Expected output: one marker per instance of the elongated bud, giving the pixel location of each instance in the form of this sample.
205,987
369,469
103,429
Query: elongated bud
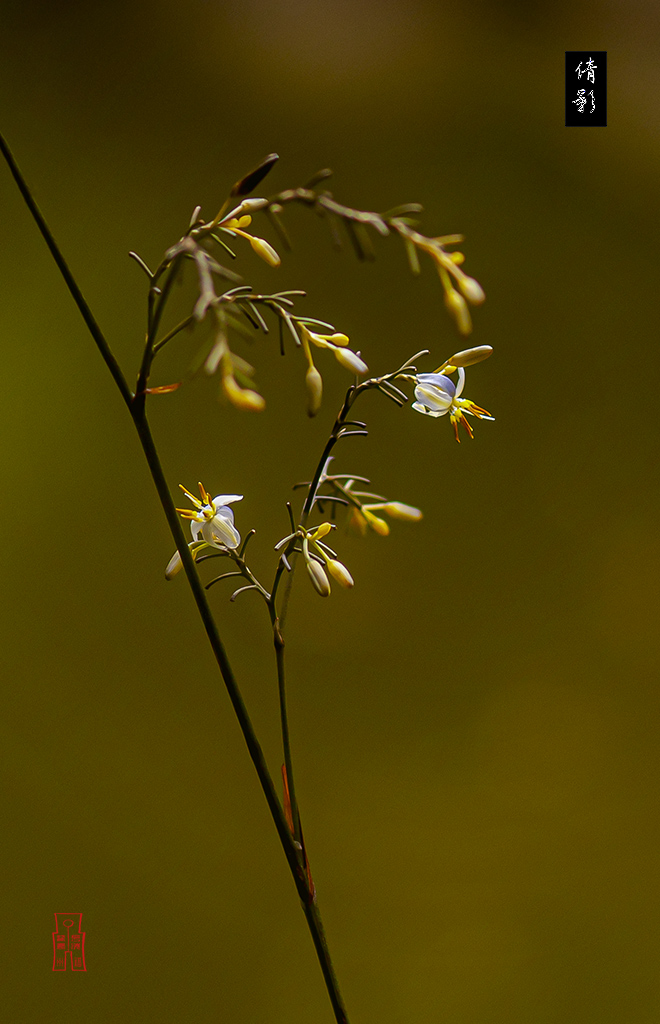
470,356
397,510
314,382
249,204
252,179
173,566
457,306
212,361
265,250
376,523
321,531
318,577
242,398
472,290
339,572
326,340
350,360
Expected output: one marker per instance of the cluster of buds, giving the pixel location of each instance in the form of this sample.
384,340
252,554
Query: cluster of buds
437,394
363,517
230,364
337,343
448,265
320,559
468,288
364,505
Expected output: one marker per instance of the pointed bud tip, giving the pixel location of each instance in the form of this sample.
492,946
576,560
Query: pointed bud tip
472,290
318,577
314,383
265,250
397,510
470,356
173,566
340,573
252,179
458,308
350,360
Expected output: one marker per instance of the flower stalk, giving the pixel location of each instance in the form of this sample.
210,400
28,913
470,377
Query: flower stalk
212,528
136,405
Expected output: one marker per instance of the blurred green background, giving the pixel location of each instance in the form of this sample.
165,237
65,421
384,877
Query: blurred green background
476,723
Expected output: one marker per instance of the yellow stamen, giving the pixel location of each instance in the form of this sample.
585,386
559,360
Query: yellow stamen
192,497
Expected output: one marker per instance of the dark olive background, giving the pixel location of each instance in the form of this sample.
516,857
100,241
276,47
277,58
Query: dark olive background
476,723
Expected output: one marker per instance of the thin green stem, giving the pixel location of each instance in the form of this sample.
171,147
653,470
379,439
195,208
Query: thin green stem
157,300
278,622
278,640
286,839
138,414
171,334
291,851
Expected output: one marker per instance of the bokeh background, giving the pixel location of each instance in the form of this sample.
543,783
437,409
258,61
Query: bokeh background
476,723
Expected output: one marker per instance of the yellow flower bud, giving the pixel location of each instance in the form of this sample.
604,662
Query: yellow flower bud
326,340
472,290
242,398
173,566
239,222
265,250
469,356
340,573
350,360
321,531
377,524
318,577
397,510
314,383
457,306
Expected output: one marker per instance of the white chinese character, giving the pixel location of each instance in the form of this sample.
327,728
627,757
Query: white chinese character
580,101
588,70
593,101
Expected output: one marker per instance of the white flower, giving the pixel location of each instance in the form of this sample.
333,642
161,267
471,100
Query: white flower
211,525
437,395
212,520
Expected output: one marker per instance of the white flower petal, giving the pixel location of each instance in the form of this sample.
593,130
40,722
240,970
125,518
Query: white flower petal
433,398
196,528
461,381
418,407
438,380
220,532
226,499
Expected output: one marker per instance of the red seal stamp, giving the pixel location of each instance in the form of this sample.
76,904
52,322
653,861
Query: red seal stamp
68,942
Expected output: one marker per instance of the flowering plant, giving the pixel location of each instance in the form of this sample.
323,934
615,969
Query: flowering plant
232,308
